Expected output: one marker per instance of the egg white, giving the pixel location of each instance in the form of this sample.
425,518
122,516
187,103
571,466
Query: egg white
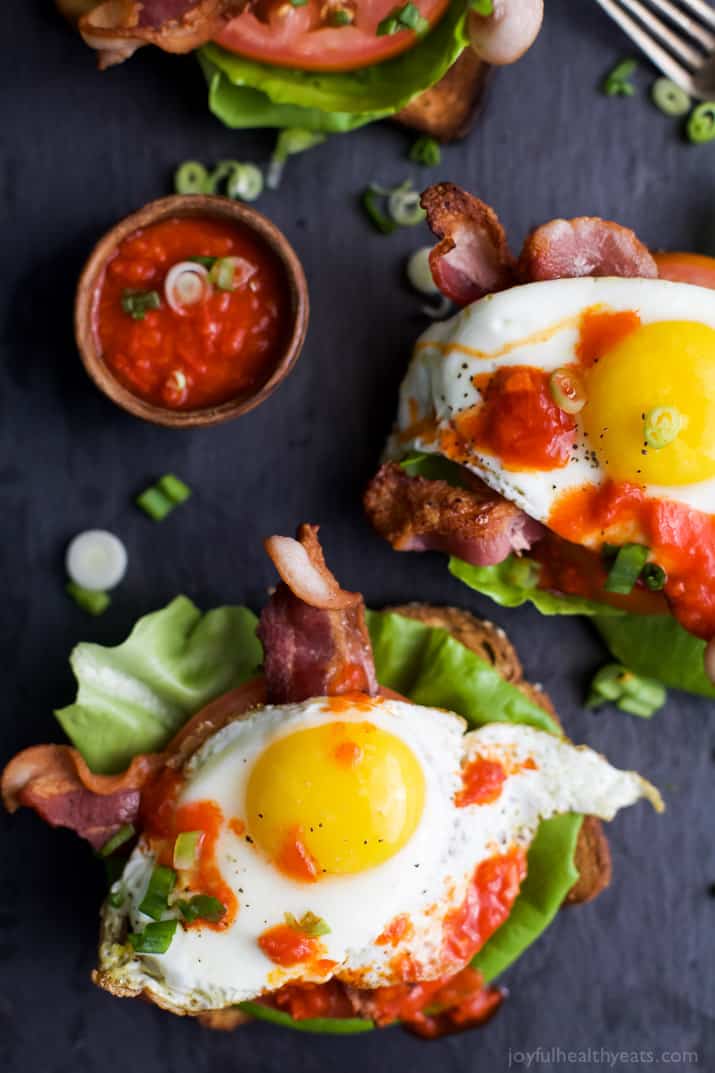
536,324
208,969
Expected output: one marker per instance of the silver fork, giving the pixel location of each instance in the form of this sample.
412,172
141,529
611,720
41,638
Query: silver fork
681,44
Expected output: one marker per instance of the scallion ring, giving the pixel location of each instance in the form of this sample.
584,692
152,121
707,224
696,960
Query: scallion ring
404,206
654,577
290,141
191,178
186,284
89,600
379,219
662,427
701,123
482,7
567,390
221,174
671,99
125,832
156,897
245,183
631,692
419,271
626,568
426,151
616,83
155,938
186,849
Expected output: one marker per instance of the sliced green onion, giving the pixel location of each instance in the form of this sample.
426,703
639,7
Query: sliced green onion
116,897
630,692
299,3
155,938
629,561
387,26
616,82
156,900
290,141
662,426
245,183
222,273
404,205
410,17
186,284
207,262
671,99
174,488
186,848
482,7
701,123
654,577
221,174
426,151
125,832
340,16
380,219
202,907
567,390
191,178
91,601
138,303
524,573
419,271
96,560
309,924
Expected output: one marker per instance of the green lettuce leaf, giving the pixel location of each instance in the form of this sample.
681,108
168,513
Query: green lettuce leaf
327,1026
498,583
329,101
133,698
657,646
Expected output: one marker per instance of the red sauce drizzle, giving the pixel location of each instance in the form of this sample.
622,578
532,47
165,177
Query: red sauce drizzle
682,541
397,930
519,422
287,946
488,902
482,782
295,859
221,348
600,330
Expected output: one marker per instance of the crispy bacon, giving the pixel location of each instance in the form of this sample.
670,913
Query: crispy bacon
475,523
314,634
55,781
473,258
117,28
586,246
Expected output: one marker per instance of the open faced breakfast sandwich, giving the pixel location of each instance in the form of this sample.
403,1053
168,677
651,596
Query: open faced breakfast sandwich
556,436
325,66
325,844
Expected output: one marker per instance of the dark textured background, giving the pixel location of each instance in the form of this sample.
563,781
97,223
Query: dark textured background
79,149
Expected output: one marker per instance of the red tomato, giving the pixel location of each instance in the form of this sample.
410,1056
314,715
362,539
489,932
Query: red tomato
274,31
687,268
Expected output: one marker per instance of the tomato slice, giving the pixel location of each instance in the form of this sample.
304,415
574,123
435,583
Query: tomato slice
274,31
687,268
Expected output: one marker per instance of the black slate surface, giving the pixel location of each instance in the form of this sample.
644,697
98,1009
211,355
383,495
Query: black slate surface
633,971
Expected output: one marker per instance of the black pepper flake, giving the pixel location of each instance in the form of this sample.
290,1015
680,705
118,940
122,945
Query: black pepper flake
711,890
249,839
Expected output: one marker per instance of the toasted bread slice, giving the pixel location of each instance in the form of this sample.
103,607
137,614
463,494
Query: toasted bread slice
592,857
448,109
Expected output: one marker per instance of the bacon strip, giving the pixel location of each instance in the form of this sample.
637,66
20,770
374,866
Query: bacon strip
585,246
55,781
117,28
475,523
473,258
314,635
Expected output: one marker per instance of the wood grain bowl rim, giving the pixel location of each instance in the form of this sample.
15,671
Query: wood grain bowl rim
153,212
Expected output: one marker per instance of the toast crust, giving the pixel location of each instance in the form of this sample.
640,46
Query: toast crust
448,110
592,857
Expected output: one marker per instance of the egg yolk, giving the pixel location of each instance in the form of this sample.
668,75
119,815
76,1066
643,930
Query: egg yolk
668,364
334,799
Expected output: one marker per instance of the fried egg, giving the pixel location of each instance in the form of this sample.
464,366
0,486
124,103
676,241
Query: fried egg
354,821
478,391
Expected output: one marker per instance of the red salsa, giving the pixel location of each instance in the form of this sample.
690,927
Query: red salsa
173,349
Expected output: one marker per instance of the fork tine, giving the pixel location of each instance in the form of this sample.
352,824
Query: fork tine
652,49
696,31
674,41
702,9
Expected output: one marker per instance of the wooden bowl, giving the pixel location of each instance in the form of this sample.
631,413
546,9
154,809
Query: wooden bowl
92,275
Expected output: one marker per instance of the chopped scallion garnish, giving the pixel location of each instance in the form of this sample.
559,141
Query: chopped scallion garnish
371,204
654,577
290,141
138,303
616,83
407,17
156,899
161,498
671,99
340,16
299,3
567,390
662,426
404,205
116,897
202,907
191,178
625,571
524,573
309,924
701,123
186,849
630,692
155,938
482,7
245,183
426,151
125,832
90,600
207,262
